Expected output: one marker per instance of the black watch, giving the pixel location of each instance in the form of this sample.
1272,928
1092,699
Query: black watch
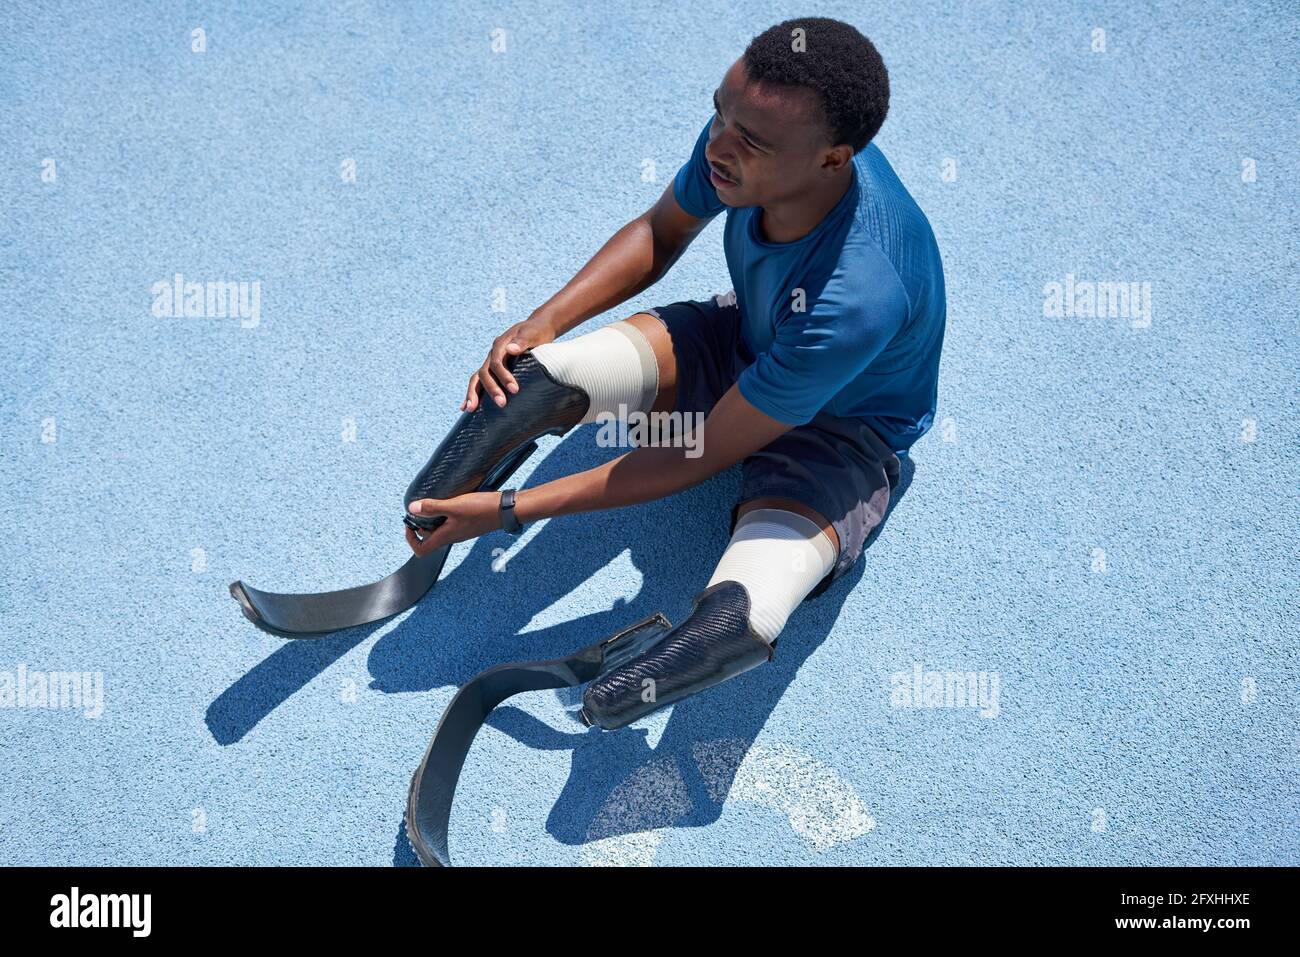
509,521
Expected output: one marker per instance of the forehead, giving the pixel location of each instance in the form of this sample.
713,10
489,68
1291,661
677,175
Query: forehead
779,113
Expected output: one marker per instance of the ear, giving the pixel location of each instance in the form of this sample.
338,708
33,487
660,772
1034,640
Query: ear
836,159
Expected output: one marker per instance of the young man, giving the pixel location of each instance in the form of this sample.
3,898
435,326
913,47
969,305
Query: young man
817,372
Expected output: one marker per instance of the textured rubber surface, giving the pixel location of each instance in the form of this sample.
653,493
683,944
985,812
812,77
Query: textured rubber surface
482,438
1086,519
711,645
433,787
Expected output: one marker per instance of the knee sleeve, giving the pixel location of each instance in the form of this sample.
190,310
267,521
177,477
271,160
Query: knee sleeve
779,557
711,645
615,366
492,437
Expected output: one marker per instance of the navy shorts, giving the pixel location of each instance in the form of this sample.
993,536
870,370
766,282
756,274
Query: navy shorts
839,467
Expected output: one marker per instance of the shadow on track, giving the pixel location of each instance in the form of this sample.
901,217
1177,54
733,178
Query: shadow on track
674,568
473,619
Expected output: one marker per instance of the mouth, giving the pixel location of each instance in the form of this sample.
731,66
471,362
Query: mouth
719,179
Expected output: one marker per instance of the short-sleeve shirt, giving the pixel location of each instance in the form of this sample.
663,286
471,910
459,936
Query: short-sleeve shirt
848,319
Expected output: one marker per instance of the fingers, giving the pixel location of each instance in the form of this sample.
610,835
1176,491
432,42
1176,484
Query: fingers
429,539
488,385
493,377
423,546
471,395
482,379
501,373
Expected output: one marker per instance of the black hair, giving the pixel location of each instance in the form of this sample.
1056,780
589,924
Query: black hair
836,62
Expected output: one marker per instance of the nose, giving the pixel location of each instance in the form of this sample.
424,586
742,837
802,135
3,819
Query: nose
719,149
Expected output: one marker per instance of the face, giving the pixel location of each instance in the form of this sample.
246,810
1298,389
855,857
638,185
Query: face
768,145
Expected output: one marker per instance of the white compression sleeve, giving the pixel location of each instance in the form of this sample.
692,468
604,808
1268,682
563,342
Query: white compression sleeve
779,557
615,366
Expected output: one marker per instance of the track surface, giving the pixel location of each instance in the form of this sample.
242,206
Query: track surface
1146,709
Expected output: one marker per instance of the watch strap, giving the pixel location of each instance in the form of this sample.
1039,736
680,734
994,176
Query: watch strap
509,521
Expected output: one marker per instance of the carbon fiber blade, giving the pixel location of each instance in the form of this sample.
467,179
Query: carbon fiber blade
428,805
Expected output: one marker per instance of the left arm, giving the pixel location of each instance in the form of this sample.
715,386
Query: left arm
733,430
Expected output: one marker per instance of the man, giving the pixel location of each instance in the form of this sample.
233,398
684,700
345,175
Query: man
817,372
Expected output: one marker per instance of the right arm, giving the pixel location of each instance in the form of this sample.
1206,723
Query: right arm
633,259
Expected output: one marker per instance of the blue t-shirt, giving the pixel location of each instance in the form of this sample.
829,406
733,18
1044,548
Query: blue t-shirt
850,318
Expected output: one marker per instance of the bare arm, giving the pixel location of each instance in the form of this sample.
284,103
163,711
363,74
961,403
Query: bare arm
733,430
633,259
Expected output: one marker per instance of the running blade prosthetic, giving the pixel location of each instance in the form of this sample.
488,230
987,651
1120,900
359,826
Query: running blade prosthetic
713,644
481,452
428,805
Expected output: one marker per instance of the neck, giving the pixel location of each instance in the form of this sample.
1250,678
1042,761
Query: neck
784,222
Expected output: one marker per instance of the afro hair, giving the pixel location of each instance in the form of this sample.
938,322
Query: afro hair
836,62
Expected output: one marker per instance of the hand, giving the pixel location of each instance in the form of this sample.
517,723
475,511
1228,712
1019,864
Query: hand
468,516
493,376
